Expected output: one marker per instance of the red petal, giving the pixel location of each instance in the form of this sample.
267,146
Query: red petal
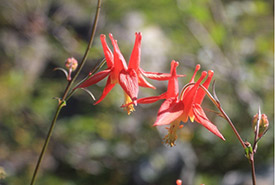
134,61
195,72
151,99
158,76
147,100
128,80
188,97
106,90
201,118
200,94
193,78
107,52
143,83
95,78
173,85
119,60
169,111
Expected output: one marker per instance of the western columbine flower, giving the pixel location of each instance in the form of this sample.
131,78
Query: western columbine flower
174,110
129,77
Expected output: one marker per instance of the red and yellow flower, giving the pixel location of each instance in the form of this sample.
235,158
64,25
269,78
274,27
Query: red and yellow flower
129,77
174,110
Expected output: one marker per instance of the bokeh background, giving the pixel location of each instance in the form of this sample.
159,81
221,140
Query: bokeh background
101,144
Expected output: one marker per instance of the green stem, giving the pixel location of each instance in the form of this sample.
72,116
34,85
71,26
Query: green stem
62,101
83,61
95,69
46,142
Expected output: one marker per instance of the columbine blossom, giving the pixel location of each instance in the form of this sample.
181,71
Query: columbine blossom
174,110
129,77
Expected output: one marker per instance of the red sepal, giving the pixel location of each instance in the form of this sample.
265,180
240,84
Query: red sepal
201,118
95,78
170,110
109,86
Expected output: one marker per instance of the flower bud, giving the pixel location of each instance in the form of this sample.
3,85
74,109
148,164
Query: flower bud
71,63
178,182
263,124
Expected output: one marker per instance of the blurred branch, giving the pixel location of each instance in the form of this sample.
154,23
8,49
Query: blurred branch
205,40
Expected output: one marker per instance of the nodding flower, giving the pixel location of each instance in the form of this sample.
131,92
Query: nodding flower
128,77
175,110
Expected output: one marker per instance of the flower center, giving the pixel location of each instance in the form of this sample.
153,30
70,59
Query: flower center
171,137
130,108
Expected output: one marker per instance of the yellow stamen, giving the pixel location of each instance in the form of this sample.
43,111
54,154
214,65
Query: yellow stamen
171,137
130,108
191,116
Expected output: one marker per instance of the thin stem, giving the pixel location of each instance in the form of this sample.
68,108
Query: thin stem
257,131
252,168
62,101
83,61
95,69
46,142
232,126
218,105
184,88
251,155
254,149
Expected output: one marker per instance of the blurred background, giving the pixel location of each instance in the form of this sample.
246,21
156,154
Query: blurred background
101,144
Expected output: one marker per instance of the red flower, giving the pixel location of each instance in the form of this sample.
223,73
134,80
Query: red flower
174,110
189,106
172,90
129,78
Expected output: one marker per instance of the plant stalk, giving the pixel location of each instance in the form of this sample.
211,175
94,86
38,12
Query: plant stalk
42,153
62,101
217,104
83,61
251,155
253,173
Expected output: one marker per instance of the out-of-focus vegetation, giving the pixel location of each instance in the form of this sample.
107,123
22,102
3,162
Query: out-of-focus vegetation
103,145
